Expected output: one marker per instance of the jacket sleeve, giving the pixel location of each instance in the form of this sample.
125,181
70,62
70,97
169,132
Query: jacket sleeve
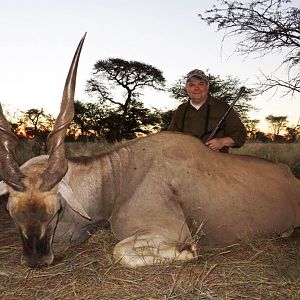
174,125
235,129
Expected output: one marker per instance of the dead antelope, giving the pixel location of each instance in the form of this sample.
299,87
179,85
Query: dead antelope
154,191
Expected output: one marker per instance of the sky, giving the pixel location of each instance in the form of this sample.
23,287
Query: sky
38,39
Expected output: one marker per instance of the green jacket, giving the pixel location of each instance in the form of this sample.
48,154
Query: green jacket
200,123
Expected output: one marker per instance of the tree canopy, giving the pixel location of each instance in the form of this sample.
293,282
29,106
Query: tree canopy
90,118
277,123
36,122
264,27
128,78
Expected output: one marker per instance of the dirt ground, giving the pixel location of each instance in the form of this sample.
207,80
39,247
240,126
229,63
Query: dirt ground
261,270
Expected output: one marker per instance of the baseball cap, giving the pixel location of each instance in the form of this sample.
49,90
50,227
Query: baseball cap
196,73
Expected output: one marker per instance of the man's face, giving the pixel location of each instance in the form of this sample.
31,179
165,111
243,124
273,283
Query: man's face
197,90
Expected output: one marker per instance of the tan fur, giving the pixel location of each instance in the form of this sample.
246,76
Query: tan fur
32,195
158,191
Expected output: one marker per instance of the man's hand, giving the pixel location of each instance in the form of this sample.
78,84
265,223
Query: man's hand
219,143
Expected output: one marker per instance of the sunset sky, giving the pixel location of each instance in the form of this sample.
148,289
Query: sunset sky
38,39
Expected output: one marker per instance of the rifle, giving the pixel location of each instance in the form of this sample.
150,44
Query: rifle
241,91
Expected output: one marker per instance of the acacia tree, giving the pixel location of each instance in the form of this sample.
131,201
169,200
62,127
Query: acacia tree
251,126
264,26
36,122
95,120
114,77
277,123
90,118
138,120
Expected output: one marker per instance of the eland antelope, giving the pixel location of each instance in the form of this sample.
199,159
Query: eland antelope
155,192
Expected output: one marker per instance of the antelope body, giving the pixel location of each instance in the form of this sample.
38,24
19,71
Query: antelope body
155,192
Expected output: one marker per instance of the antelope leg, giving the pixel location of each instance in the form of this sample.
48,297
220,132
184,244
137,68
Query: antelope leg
152,249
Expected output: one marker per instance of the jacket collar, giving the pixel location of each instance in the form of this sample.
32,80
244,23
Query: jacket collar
209,101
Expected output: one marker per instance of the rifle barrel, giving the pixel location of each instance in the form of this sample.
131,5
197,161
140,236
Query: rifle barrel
241,91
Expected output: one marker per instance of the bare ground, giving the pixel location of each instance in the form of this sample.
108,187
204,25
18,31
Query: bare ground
267,269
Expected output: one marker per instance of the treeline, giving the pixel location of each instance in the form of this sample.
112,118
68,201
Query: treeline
94,121
117,111
280,130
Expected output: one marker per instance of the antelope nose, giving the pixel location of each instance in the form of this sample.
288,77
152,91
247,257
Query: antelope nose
37,261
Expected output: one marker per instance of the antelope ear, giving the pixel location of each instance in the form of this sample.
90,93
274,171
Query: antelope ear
3,188
66,192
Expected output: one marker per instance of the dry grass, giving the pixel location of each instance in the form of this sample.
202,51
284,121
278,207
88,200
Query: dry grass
89,149
288,154
260,270
268,269
30,148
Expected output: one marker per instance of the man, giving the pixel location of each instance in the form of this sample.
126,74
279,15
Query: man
201,114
